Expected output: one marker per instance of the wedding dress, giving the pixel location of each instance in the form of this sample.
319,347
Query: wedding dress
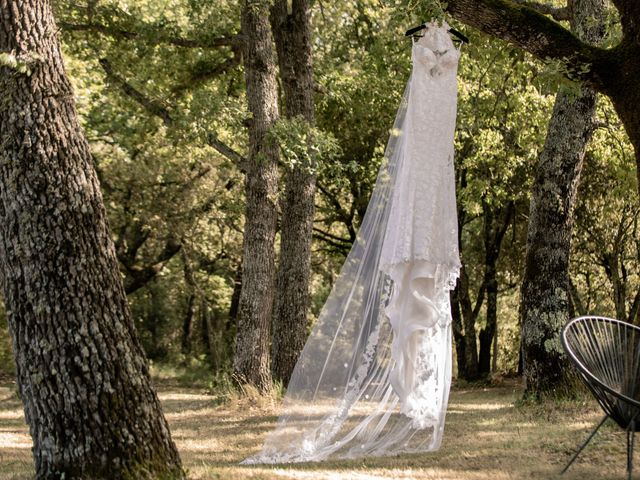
374,376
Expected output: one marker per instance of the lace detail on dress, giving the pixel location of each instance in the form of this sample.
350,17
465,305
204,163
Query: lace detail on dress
420,251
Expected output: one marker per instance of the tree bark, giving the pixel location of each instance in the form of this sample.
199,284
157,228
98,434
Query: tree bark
545,288
81,371
251,359
292,34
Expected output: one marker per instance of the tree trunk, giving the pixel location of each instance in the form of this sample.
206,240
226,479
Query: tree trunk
545,288
187,322
458,336
251,360
486,334
81,371
235,296
292,34
205,331
491,285
493,235
469,316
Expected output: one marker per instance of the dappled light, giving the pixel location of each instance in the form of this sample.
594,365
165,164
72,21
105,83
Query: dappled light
488,436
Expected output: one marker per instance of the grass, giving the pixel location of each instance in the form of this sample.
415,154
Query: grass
489,436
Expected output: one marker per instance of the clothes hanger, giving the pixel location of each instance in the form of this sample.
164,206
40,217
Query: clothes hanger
457,33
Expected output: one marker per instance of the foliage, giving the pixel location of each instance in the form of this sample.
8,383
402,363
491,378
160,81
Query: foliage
159,86
606,238
302,145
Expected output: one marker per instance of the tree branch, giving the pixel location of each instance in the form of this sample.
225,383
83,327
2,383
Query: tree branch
344,247
155,37
557,13
538,35
137,276
342,213
152,106
156,108
226,151
346,241
206,71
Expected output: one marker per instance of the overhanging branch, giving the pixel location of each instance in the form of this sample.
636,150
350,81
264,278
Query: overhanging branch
537,34
150,105
155,37
227,151
207,72
557,13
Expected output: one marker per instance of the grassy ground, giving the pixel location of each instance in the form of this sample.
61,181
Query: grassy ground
488,436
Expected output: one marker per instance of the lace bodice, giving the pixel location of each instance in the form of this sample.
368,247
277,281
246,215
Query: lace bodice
423,222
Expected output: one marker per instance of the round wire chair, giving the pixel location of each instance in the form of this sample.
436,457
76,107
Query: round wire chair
606,353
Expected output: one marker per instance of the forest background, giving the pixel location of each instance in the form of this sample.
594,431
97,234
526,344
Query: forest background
161,94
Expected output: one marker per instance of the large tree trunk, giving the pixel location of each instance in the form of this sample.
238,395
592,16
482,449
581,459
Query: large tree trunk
292,33
81,371
545,288
251,360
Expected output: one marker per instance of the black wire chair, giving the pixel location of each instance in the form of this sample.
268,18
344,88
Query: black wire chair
606,353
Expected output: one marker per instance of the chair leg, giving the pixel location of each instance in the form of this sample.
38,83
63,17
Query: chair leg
630,438
585,444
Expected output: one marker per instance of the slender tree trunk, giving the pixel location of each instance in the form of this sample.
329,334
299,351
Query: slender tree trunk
81,371
251,360
545,288
458,335
205,330
292,34
153,323
493,235
187,322
469,316
486,334
235,296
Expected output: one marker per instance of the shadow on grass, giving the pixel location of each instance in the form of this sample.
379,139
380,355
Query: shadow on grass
488,436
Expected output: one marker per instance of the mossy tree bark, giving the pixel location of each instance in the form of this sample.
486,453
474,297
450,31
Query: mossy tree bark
292,34
545,289
251,359
81,371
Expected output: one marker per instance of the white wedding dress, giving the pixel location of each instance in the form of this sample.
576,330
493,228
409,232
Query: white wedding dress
374,376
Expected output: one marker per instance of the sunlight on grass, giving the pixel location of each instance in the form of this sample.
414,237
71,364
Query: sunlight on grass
488,436
14,440
8,414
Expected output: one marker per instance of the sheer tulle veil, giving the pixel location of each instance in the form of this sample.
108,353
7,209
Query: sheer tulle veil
374,375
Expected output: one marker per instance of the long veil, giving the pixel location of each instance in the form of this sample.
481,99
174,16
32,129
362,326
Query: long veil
374,375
